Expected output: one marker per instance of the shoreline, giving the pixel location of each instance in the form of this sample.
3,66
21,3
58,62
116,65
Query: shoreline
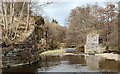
20,64
109,56
104,55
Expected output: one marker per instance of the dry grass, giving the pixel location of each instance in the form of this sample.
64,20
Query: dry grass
52,52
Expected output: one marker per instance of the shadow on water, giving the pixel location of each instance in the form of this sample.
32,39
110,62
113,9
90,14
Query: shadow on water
68,63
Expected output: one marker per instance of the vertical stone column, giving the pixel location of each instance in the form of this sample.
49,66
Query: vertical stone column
92,43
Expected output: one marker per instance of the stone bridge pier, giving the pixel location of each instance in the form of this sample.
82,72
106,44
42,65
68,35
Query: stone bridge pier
92,44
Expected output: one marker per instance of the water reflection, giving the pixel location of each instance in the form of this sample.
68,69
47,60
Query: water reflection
76,59
102,64
109,65
71,63
95,63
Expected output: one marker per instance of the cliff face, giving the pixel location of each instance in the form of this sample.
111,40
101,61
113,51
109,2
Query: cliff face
22,53
22,48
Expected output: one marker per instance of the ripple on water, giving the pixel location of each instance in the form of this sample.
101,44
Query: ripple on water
65,67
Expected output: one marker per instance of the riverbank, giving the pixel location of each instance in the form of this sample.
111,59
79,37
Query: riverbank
62,52
109,56
52,52
20,64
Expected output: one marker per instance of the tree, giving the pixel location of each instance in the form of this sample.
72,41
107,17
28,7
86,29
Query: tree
55,21
13,16
84,19
79,23
56,33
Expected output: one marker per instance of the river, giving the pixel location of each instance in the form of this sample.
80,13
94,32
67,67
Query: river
73,63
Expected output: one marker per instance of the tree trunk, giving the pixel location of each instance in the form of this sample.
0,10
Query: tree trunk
21,14
3,18
6,20
28,14
11,13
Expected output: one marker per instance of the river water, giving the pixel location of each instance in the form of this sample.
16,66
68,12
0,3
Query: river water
69,63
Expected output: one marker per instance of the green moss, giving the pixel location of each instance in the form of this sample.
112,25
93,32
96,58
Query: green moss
52,52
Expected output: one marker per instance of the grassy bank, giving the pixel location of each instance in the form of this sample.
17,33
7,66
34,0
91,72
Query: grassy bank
52,52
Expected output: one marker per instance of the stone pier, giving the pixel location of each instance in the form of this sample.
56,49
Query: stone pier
92,44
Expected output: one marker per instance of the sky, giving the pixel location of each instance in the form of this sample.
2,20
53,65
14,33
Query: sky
61,10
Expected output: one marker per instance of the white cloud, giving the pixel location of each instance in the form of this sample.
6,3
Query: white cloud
61,10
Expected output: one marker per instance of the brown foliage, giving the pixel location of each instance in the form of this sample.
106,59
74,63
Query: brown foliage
93,17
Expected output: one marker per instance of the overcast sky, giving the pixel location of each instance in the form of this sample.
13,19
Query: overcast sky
61,10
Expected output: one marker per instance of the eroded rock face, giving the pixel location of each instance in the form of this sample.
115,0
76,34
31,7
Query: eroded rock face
25,52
